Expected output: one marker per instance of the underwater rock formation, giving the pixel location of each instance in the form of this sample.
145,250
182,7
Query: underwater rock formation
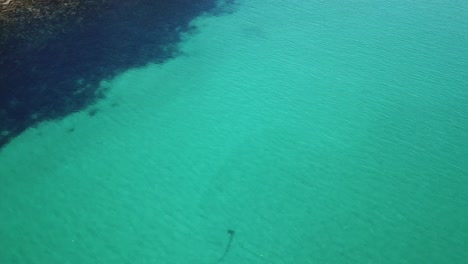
53,54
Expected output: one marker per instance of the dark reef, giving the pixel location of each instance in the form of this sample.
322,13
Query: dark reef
53,54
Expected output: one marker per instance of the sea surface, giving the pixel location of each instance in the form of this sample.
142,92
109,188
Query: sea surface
285,132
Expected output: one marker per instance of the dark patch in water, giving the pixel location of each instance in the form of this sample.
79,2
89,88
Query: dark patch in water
92,112
63,76
228,245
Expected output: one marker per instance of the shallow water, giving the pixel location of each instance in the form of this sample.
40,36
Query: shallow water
320,132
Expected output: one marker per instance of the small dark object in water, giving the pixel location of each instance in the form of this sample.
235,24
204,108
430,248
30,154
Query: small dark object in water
228,246
71,129
93,112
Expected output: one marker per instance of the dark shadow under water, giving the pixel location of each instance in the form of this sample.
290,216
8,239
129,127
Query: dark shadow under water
63,76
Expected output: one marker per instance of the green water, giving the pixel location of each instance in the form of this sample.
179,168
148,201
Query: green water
319,131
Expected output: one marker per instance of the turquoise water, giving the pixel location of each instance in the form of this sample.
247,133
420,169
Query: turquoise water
319,131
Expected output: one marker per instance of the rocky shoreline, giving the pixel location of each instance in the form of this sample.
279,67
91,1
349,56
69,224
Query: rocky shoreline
33,22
